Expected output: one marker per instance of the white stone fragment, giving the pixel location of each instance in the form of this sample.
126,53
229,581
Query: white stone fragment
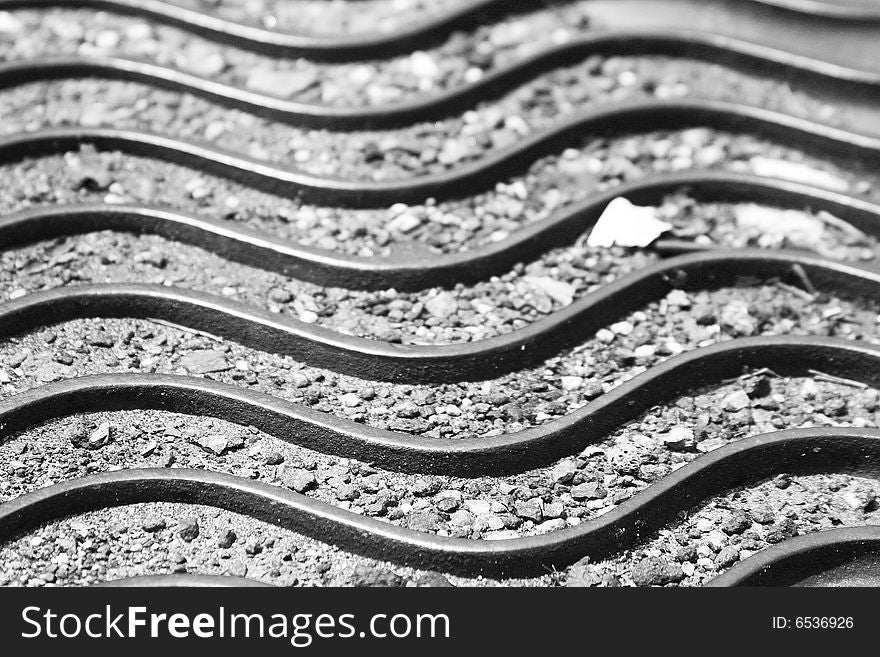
625,224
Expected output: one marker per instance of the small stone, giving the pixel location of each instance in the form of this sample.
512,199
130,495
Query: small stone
423,487
204,361
735,316
529,509
188,528
442,305
101,339
588,491
656,571
300,380
604,335
405,222
728,556
761,513
550,526
715,540
350,400
151,525
622,328
461,518
214,443
226,539
274,458
347,492
280,295
809,389
366,575
433,580
453,151
9,24
678,298
781,531
678,438
478,507
300,480
407,410
571,382
51,372
860,499
559,291
100,436
563,472
735,401
423,65
424,521
736,523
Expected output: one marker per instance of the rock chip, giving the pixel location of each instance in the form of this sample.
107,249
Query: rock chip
188,528
300,480
735,401
204,361
656,571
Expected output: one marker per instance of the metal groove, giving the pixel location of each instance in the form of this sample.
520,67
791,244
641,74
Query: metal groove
846,82
466,457
406,39
834,557
479,360
260,249
611,119
798,451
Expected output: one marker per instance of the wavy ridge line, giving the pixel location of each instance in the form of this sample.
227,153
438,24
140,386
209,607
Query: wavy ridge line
259,249
410,363
468,178
402,41
718,49
834,557
466,457
798,451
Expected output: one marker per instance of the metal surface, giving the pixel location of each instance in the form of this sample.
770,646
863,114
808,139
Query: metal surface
840,83
466,457
469,178
477,360
236,241
747,461
829,48
808,18
835,557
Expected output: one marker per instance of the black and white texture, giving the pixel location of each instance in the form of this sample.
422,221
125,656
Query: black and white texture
318,308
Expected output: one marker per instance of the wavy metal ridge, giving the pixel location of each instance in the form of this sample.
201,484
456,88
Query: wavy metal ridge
466,457
750,460
385,361
260,249
405,39
834,557
467,178
844,82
